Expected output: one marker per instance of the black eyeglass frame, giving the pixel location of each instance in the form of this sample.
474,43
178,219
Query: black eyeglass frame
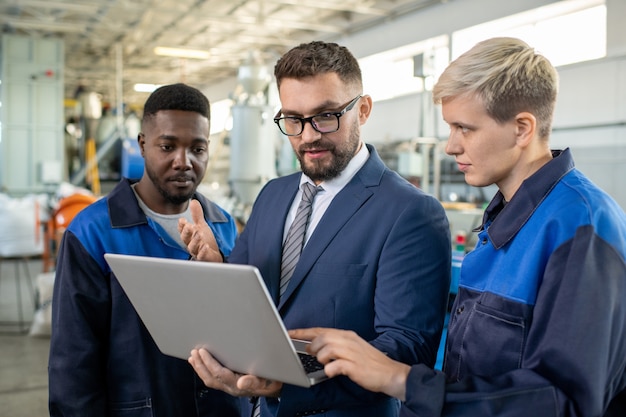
304,120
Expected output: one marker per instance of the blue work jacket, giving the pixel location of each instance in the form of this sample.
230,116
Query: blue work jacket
103,361
539,324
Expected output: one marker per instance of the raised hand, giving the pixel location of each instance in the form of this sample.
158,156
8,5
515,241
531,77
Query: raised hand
198,236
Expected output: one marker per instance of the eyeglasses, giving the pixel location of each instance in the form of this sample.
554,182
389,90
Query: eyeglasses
327,122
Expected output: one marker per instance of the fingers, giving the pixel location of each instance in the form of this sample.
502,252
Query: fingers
327,339
197,215
181,224
215,376
306,334
207,249
186,230
343,352
212,373
198,236
259,387
335,345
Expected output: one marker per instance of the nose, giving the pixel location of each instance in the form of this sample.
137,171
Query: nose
182,160
453,146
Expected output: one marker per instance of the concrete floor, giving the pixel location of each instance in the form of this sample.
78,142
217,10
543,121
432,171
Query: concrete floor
23,358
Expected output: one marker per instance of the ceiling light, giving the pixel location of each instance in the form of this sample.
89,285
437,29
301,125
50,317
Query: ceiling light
145,88
182,52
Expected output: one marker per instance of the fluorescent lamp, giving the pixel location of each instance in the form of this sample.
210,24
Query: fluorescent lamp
181,52
145,88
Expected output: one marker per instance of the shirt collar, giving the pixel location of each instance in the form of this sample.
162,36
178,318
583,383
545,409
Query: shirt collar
504,221
125,211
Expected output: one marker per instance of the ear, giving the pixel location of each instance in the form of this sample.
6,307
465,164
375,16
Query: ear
364,108
141,139
525,128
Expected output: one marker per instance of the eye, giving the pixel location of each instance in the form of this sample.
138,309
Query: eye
165,147
324,116
199,150
460,128
292,120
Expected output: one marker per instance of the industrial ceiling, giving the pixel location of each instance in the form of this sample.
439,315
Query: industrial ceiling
109,44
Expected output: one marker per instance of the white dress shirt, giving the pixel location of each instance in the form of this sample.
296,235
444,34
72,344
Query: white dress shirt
323,198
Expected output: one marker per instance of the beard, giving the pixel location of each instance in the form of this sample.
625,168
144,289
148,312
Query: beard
342,153
176,199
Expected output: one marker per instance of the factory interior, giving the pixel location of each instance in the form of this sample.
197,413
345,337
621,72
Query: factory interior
74,76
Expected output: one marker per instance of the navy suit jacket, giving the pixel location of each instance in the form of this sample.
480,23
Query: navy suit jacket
378,263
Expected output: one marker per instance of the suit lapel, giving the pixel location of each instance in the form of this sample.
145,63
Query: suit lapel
271,234
342,208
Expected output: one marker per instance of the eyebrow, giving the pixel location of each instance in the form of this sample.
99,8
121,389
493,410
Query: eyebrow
174,138
319,109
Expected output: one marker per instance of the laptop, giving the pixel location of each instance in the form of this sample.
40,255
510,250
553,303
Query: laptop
224,308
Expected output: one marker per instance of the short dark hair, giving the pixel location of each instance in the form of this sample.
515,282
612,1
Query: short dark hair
176,97
310,59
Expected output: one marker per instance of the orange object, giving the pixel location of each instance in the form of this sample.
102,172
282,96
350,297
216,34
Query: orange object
93,176
68,208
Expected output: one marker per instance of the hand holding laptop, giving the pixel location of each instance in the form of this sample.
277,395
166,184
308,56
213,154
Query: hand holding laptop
198,236
214,375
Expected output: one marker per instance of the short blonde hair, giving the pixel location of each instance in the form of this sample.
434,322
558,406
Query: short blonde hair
508,76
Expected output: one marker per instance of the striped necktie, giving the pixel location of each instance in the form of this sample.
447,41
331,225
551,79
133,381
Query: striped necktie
295,237
292,248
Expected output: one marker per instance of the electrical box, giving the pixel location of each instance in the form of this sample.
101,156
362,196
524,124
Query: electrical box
31,111
423,65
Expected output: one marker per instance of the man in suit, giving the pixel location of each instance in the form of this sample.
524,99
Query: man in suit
376,258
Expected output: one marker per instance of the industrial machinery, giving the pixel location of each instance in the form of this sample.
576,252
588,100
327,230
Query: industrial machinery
254,139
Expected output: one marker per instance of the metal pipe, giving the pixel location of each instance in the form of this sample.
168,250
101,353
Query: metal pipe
592,126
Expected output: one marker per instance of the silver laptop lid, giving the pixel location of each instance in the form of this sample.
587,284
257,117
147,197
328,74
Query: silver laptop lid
224,308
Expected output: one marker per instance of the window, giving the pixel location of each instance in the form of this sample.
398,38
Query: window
565,32
390,74
221,119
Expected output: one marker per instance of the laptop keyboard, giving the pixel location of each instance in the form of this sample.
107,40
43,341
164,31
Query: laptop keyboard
310,362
